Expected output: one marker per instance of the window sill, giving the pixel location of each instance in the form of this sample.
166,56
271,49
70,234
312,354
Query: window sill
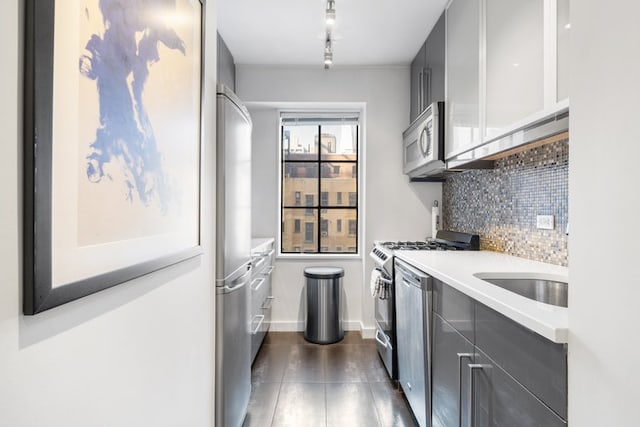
318,256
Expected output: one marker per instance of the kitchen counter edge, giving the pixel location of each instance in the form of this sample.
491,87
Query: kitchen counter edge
457,270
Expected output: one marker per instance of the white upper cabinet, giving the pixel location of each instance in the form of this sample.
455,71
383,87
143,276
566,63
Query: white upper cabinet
514,70
462,75
563,28
506,68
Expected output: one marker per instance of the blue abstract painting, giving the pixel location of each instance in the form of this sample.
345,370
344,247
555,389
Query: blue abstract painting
120,60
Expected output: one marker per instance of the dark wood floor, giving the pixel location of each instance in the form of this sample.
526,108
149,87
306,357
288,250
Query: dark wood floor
296,383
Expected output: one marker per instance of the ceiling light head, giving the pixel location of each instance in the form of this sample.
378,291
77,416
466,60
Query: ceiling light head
328,57
330,17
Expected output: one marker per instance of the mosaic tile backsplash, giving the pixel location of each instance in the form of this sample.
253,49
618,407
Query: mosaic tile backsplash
501,204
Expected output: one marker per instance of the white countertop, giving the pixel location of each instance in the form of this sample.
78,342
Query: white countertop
259,244
457,270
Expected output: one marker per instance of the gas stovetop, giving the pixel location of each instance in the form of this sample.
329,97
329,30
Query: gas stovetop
382,251
428,245
444,241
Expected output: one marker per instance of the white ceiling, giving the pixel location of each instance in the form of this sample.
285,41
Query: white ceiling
291,32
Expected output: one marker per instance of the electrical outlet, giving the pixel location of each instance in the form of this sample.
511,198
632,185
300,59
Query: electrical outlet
545,222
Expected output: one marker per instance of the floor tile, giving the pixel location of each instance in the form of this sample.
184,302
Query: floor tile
345,364
270,363
284,338
350,405
391,405
352,337
301,404
372,365
296,383
305,364
262,404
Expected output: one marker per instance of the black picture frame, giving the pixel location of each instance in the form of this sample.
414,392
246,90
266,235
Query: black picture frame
39,292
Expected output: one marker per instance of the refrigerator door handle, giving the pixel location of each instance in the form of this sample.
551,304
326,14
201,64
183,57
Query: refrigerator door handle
237,283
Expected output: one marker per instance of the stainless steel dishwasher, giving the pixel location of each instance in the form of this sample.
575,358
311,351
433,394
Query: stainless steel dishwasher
413,320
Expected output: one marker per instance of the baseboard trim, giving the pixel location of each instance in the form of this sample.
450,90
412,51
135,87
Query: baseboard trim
298,326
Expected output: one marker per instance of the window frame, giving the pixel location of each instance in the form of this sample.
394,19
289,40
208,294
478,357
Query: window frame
320,209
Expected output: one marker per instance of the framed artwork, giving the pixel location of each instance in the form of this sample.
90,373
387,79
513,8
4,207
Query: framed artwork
112,156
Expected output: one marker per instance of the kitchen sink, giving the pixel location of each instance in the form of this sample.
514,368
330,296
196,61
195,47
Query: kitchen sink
552,291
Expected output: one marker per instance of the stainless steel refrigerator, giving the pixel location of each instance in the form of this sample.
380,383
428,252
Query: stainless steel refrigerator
233,259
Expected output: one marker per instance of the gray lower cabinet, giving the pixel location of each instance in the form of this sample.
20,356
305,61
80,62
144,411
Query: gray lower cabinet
499,400
489,371
261,298
535,362
451,354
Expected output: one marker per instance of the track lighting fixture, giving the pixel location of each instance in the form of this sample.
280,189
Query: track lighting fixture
330,13
328,52
330,19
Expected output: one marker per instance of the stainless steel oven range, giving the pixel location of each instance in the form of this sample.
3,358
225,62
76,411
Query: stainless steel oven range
383,287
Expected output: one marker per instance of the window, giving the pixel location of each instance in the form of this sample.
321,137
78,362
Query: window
324,200
319,165
324,227
308,232
308,201
353,227
353,199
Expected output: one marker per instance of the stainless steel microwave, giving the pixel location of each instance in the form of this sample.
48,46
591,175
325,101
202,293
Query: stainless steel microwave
423,144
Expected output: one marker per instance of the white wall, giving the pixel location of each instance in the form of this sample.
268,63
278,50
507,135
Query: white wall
604,207
139,354
393,207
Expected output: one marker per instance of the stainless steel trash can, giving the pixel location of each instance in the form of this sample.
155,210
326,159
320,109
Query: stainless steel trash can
323,324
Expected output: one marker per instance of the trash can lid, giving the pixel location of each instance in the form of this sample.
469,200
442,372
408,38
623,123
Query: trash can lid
323,272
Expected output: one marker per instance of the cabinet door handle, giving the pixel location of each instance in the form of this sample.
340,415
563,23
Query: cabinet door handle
257,328
421,93
266,305
472,400
460,357
257,284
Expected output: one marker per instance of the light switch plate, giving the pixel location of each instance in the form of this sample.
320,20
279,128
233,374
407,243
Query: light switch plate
545,222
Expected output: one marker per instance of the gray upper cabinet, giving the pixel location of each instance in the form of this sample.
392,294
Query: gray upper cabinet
226,65
428,71
418,88
435,48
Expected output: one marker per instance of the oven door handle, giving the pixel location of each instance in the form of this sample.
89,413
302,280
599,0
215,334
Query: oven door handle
385,343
